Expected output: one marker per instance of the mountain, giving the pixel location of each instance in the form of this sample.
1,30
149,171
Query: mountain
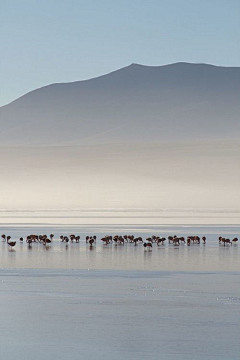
136,104
165,137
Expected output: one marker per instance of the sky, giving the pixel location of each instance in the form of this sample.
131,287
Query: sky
49,41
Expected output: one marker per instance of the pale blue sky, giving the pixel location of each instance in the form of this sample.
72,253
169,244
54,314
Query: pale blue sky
49,41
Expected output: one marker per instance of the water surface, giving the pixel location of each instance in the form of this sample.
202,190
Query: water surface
167,257
115,315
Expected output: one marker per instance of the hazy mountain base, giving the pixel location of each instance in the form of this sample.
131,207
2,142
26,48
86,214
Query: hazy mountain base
185,175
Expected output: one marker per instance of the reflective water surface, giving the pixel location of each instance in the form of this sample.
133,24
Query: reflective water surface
167,257
115,315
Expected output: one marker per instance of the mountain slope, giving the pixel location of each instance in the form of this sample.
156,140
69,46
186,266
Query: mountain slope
132,105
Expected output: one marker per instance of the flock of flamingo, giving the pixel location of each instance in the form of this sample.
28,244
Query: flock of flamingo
117,239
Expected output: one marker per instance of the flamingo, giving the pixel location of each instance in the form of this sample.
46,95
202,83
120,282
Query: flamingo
135,240
72,237
149,244
91,241
160,240
120,240
225,241
11,243
106,239
29,242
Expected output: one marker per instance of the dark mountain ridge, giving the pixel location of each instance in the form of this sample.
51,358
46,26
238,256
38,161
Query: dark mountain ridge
134,104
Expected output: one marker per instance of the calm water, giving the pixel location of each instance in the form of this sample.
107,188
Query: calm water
120,302
115,315
209,257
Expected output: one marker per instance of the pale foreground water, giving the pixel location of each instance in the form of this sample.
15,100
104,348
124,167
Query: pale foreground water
120,302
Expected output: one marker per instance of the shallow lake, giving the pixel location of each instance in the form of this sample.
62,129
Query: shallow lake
167,257
70,301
